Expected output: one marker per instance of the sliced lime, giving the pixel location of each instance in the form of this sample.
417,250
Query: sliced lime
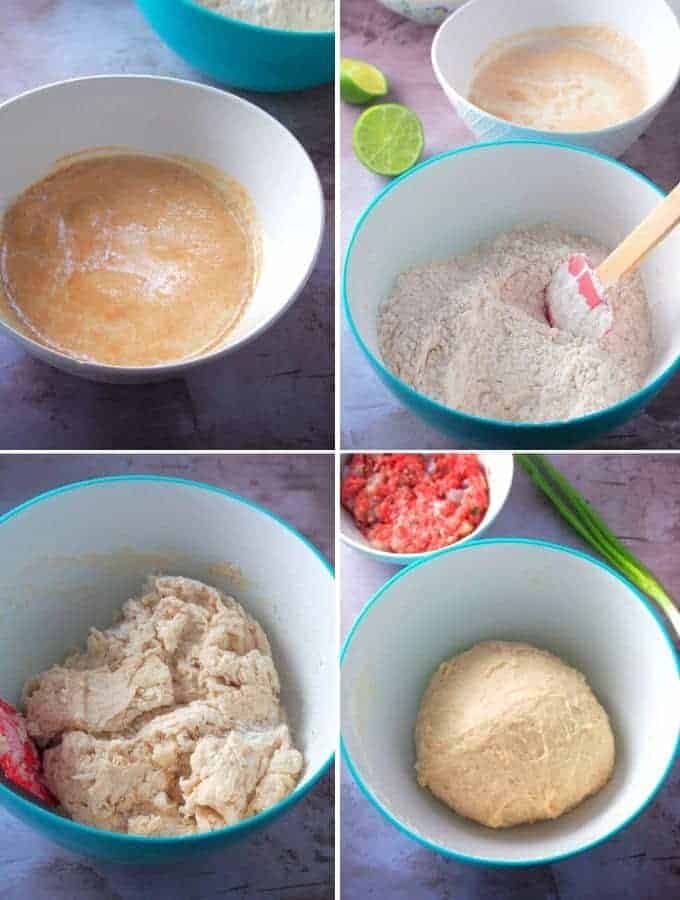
388,139
360,82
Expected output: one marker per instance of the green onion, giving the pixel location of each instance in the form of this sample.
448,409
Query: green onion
589,524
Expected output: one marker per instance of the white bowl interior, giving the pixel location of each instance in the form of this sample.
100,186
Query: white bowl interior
70,561
460,200
469,33
511,591
498,466
166,116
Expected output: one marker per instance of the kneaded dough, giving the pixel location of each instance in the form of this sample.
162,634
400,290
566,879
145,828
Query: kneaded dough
509,734
170,722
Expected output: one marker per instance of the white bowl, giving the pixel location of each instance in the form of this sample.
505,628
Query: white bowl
70,558
499,469
450,203
165,115
470,31
555,598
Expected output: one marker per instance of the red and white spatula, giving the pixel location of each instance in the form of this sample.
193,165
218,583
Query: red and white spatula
19,758
576,299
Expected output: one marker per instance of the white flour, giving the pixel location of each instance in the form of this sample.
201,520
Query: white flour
291,15
472,334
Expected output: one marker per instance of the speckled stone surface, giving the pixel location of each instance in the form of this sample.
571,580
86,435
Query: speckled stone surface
291,860
639,496
274,394
370,416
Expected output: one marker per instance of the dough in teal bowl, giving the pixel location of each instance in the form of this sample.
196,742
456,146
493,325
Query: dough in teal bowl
241,54
69,557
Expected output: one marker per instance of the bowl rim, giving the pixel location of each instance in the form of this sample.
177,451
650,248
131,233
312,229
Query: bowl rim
91,368
49,819
252,26
651,108
405,559
396,384
480,860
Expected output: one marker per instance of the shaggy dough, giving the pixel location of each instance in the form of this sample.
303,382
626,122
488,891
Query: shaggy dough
508,734
170,721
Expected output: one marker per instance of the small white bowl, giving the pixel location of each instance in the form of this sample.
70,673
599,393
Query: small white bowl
71,557
168,116
546,595
469,32
499,468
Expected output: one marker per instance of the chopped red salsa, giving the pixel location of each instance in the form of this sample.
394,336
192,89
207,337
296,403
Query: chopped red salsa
413,502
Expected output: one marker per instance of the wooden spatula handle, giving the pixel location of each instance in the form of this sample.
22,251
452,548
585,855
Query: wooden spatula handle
646,237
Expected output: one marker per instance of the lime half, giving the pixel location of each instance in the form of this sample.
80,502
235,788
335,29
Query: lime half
388,138
360,82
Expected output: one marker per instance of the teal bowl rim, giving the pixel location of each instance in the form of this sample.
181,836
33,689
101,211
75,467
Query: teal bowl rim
251,26
396,384
505,863
77,829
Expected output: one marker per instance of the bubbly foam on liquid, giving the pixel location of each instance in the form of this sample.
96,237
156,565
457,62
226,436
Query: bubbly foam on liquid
130,260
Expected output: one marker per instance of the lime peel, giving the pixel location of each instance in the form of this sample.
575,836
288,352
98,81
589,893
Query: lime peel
388,139
361,82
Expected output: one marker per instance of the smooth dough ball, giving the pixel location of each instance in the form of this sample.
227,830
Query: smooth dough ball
508,734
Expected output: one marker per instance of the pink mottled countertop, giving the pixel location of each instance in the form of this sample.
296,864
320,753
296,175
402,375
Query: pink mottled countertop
277,393
639,497
371,417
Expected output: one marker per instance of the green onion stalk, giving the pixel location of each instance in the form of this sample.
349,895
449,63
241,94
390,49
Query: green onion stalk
575,509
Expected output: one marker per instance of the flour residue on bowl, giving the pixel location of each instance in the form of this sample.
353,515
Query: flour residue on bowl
288,15
581,78
128,259
471,332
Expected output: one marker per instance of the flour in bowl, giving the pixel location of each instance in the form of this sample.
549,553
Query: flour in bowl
471,332
290,15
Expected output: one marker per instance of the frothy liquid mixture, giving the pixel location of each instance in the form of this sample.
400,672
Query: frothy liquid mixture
563,79
130,260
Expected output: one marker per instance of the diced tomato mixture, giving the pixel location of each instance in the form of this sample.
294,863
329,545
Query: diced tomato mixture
412,502
19,758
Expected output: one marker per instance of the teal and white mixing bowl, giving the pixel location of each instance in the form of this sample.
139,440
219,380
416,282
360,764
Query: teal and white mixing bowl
449,204
518,590
69,560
